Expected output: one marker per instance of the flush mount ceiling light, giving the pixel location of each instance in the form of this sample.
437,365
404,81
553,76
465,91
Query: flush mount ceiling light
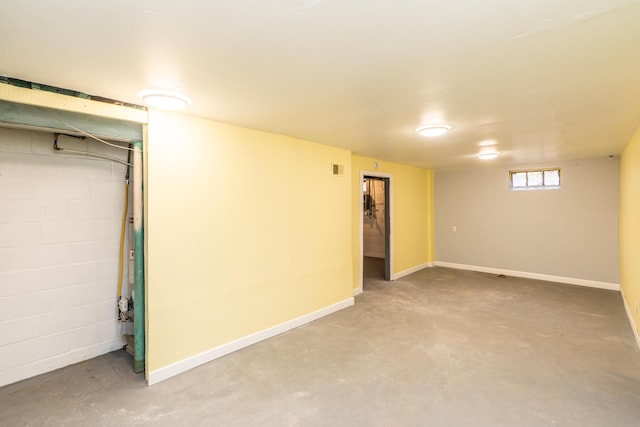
487,143
488,155
164,99
431,131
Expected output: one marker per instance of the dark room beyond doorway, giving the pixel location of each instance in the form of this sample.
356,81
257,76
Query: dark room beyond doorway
375,221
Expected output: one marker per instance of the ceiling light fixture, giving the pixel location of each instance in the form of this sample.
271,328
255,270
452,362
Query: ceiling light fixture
431,131
164,99
487,143
488,155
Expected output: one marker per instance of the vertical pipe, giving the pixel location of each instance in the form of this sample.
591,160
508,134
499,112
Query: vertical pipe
138,263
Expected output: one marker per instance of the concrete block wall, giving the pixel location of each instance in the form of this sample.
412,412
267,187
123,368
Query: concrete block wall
60,218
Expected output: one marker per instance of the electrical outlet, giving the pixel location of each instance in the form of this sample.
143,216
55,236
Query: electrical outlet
454,228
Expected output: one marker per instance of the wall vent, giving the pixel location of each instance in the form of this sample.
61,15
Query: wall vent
337,169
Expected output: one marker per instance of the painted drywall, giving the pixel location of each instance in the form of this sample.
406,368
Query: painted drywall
571,232
245,230
412,214
60,219
630,228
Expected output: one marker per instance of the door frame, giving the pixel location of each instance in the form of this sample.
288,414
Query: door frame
388,227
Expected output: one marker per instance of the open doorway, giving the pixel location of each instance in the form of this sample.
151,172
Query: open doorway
376,227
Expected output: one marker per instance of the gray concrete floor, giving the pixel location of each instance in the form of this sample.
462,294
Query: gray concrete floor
440,347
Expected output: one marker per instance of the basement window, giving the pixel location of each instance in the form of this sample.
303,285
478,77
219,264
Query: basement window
535,179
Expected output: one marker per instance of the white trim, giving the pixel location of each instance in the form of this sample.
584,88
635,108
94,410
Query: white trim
630,317
357,291
537,276
411,270
224,349
364,173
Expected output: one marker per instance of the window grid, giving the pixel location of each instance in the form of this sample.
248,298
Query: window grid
535,179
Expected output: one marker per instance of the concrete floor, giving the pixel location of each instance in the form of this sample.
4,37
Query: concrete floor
438,348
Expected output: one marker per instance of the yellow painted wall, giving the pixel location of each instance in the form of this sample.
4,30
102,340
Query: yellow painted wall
630,226
412,213
246,230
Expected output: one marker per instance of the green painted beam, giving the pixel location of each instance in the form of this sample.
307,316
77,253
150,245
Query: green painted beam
29,116
61,91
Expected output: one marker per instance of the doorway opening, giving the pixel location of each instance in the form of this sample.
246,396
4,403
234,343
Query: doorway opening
376,226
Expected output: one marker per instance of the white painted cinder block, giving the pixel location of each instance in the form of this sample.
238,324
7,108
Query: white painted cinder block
40,366
4,260
87,168
59,246
32,166
90,209
108,331
28,351
107,270
107,229
21,282
61,189
16,188
83,337
33,210
22,258
80,252
20,234
68,319
14,331
95,292
108,190
36,304
15,141
69,231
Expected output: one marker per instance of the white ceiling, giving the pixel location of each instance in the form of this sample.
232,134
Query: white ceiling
546,80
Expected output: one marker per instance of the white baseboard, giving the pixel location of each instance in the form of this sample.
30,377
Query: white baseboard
411,270
357,291
38,367
224,349
537,276
630,317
